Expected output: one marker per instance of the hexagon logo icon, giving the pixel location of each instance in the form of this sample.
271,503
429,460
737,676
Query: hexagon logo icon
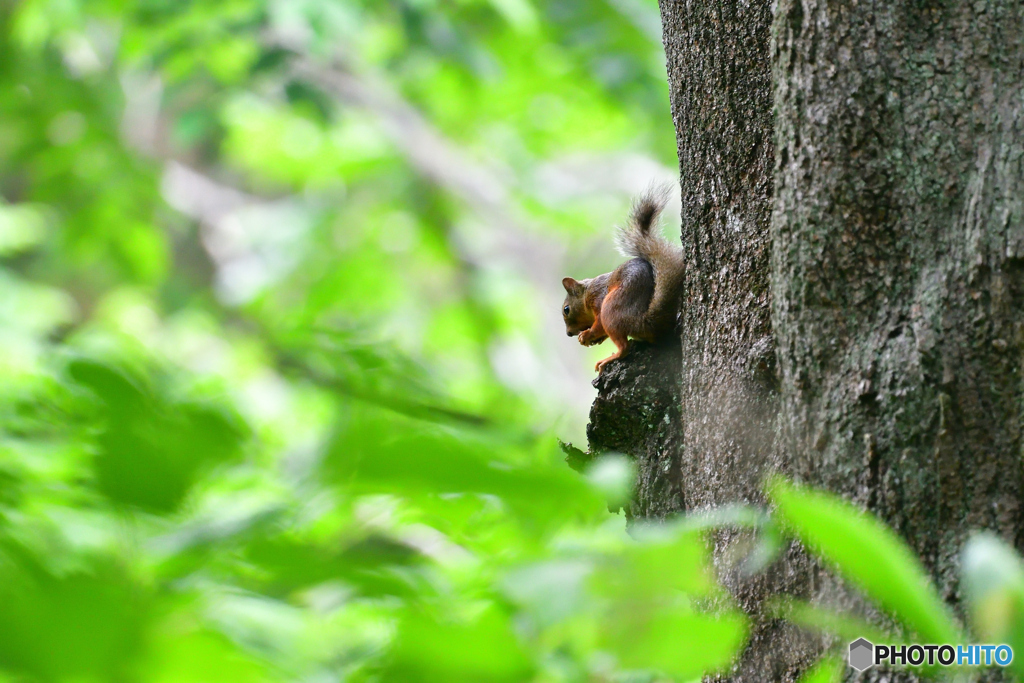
862,654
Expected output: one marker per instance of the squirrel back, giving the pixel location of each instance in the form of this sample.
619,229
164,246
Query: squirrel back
640,239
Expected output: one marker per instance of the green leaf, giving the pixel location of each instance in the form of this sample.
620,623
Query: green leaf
371,565
21,227
993,581
614,476
200,656
827,670
845,626
151,450
377,450
647,588
664,558
483,648
676,641
550,591
867,553
86,623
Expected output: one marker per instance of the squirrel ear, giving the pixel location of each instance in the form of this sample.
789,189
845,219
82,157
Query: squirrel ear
571,285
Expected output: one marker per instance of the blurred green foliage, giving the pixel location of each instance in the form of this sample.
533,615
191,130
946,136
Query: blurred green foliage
263,413
276,378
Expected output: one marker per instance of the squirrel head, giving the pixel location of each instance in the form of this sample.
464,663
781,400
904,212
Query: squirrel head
575,312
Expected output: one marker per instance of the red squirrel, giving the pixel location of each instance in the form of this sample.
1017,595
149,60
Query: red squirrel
640,298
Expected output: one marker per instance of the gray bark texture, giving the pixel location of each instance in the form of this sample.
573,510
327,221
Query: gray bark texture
852,179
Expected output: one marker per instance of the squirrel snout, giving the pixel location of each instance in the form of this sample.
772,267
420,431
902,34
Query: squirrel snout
569,334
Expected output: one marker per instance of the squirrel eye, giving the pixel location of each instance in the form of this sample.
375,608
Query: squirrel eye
565,311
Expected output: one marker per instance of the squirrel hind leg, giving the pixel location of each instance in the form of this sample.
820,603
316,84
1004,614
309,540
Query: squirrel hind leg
621,347
616,326
623,312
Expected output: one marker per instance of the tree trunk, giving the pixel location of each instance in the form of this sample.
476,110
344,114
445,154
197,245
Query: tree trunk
721,106
853,309
898,261
715,444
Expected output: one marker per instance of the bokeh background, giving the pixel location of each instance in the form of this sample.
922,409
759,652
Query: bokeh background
421,174
282,364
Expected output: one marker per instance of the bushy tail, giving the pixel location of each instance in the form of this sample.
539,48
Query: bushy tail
640,238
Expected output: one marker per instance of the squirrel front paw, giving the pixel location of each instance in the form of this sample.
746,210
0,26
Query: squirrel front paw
588,339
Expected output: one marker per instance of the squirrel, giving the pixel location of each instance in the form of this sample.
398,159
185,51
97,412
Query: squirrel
639,299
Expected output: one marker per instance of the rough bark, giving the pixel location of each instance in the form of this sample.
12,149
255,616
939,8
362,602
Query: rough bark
898,261
714,445
853,309
637,412
720,82
718,70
